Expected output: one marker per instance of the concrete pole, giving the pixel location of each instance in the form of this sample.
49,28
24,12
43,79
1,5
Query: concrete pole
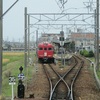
64,56
25,62
97,67
28,37
36,38
1,39
36,43
95,46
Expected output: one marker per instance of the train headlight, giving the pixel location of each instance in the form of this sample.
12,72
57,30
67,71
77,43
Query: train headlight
45,53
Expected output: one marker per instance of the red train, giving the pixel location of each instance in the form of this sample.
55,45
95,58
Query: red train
45,52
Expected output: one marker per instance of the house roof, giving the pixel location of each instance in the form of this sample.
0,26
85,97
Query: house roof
83,35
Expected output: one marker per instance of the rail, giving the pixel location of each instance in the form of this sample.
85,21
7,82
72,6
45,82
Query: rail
69,85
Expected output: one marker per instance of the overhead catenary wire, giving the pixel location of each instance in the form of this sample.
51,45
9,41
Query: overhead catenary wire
60,16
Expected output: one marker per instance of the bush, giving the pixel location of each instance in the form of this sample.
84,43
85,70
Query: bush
91,54
81,52
86,53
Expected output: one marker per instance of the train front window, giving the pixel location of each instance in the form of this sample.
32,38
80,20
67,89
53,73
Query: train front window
45,48
49,48
40,48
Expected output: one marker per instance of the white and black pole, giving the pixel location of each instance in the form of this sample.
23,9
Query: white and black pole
12,92
12,83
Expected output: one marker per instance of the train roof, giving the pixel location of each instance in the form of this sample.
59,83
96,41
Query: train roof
45,44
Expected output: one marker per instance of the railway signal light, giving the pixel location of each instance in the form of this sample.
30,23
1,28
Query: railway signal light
21,69
61,39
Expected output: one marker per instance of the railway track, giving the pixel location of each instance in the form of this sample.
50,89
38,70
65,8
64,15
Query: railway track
72,82
61,86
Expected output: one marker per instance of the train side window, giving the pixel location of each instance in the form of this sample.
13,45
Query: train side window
40,48
45,48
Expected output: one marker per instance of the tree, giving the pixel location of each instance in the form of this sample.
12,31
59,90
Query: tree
91,54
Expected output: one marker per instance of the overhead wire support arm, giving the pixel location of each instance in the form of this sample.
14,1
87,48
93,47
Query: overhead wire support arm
44,20
60,14
8,9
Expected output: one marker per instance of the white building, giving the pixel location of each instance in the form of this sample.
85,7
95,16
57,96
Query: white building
83,41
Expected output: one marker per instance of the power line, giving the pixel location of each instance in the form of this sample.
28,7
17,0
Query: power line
62,2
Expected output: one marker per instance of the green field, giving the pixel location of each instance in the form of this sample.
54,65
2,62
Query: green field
11,63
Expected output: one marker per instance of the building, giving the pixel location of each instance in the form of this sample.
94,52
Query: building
83,40
48,37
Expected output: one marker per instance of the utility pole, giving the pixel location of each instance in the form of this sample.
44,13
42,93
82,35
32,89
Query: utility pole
28,37
36,38
36,41
1,37
97,30
25,58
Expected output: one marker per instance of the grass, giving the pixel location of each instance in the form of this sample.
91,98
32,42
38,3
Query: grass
98,72
11,63
9,57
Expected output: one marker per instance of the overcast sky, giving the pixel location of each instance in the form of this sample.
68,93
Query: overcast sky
13,21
